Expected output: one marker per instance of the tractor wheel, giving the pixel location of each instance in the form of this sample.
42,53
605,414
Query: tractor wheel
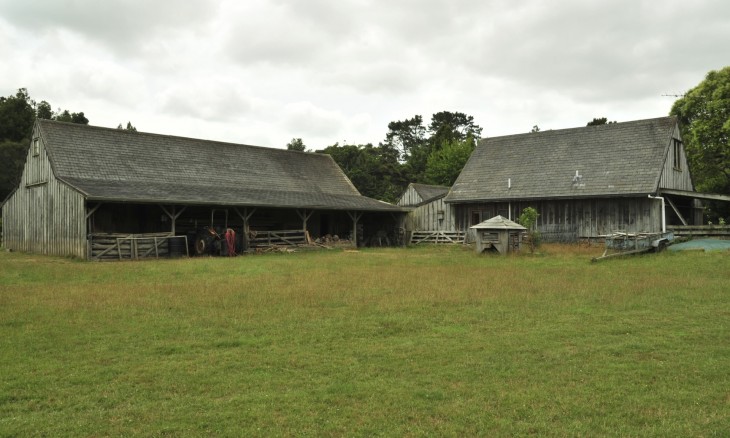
201,246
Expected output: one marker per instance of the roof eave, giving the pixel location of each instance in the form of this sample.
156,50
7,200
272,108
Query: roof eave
384,208
544,198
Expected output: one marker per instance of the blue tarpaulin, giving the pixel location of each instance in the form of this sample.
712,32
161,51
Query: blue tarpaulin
702,244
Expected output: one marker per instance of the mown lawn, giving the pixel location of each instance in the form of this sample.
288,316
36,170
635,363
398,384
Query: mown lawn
392,342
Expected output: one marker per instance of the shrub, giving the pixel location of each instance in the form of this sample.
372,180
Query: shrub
528,219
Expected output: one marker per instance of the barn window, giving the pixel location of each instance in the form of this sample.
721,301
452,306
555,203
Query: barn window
677,154
36,147
476,217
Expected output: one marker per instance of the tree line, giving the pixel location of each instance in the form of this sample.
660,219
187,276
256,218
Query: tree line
412,151
18,113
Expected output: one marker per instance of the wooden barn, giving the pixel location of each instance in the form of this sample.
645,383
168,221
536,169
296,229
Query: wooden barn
584,182
430,219
91,192
429,210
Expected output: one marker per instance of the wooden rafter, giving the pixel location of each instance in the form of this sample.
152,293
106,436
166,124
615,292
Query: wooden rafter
676,210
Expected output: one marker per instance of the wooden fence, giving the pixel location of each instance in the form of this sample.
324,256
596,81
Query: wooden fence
109,246
695,231
267,239
438,237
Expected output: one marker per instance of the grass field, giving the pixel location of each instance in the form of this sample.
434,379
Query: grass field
391,342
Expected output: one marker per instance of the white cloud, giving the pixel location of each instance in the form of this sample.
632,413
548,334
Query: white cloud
120,25
265,71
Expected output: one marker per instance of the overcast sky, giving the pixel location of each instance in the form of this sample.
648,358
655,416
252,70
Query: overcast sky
263,72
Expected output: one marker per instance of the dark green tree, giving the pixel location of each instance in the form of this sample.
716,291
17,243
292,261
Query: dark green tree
12,160
599,121
69,117
375,171
44,110
129,127
444,165
16,123
704,120
405,136
16,116
296,144
448,126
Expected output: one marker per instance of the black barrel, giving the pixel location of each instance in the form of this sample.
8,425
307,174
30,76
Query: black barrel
176,247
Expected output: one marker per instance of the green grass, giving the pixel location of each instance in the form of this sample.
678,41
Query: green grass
392,342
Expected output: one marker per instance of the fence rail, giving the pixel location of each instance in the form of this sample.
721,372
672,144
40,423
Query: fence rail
436,236
722,231
136,246
265,239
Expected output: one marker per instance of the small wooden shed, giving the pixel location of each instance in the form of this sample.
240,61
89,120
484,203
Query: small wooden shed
498,234
429,211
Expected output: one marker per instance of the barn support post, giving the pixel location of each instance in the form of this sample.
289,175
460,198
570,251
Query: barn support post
245,216
355,216
664,215
173,214
698,211
90,228
89,214
304,216
212,216
400,220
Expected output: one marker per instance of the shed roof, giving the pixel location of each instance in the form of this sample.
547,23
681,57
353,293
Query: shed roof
498,223
429,192
118,165
620,159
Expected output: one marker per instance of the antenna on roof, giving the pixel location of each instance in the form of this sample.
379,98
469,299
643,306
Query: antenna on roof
577,178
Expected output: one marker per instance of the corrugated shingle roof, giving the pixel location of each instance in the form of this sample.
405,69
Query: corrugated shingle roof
611,160
119,165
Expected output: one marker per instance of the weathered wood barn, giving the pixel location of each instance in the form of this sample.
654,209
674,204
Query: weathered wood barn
83,181
429,212
584,182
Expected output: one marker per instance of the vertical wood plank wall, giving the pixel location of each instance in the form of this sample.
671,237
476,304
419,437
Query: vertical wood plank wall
673,178
570,220
409,197
44,215
425,217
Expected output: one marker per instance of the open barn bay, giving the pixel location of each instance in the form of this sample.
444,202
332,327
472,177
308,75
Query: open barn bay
397,342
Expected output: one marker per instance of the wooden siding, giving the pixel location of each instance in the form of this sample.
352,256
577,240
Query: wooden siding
44,215
409,197
673,177
570,220
425,217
